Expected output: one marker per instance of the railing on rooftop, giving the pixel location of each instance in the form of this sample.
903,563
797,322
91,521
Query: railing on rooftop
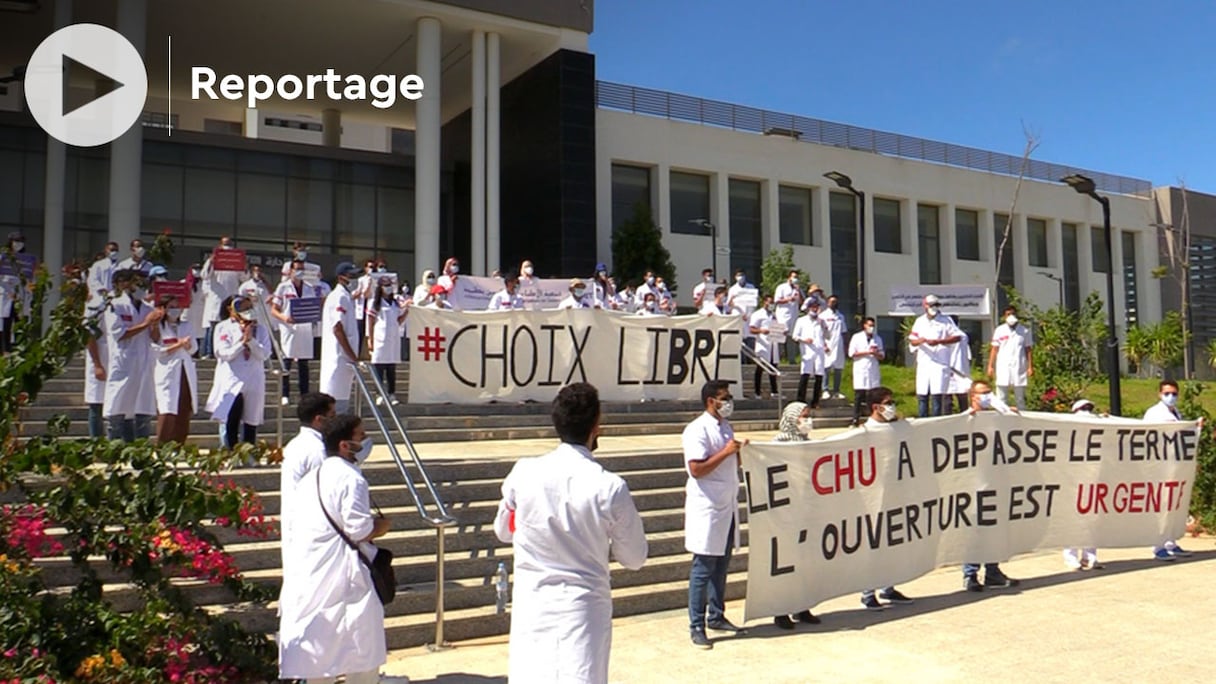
679,107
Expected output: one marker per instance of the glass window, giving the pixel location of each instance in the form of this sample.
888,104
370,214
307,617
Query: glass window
161,197
1101,257
630,185
746,227
1131,299
354,216
261,210
928,241
12,170
394,218
92,194
887,229
795,211
1072,269
689,201
1004,256
35,188
210,206
842,214
1036,242
967,234
310,211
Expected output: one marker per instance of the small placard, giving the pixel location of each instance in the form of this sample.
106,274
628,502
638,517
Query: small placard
178,289
24,265
228,260
305,309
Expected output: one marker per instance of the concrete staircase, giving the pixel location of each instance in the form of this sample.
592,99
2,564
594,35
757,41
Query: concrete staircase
470,487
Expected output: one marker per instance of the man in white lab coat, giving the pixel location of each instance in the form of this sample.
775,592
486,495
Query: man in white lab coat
711,510
564,515
810,333
101,273
217,286
507,299
130,398
1166,411
787,300
340,337
304,452
866,350
933,337
1010,362
331,623
834,355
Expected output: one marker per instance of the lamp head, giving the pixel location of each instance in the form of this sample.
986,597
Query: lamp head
840,179
1082,184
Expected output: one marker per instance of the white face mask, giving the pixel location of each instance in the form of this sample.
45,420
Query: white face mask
709,278
365,450
297,275
933,311
174,313
1169,399
793,281
455,269
226,246
112,256
888,412
578,292
869,330
739,279
139,252
301,255
650,280
985,400
430,280
726,409
18,246
527,270
246,315
805,425
390,290
1011,321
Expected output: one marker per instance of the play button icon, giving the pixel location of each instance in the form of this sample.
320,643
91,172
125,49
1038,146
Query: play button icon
104,56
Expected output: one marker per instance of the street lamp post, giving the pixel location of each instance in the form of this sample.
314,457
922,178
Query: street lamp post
713,241
1060,281
845,182
1085,186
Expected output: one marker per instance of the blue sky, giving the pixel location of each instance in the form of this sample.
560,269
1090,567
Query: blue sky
1116,86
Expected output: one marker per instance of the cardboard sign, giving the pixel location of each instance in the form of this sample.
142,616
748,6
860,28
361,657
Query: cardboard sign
305,309
178,289
228,260
24,265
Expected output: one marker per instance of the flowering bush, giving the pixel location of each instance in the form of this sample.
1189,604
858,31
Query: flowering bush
144,511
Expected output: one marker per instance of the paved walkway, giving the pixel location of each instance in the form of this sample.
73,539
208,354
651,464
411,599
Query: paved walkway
1136,620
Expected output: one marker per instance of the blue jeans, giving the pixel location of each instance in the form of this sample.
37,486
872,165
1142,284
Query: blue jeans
939,405
835,374
129,429
707,585
97,424
990,570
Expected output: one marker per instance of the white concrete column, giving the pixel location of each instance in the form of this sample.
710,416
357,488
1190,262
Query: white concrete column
493,158
253,124
946,229
478,181
770,215
126,153
821,218
426,146
53,199
719,204
660,197
331,128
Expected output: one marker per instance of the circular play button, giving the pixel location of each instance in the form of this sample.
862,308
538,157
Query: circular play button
110,59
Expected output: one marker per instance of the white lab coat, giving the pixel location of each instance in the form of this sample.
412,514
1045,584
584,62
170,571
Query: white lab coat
94,389
129,386
337,371
569,515
787,313
304,452
386,332
10,289
168,372
129,264
933,362
362,295
1011,345
765,349
810,334
866,373
505,301
711,503
960,358
330,620
834,327
236,375
101,277
194,314
296,339
572,302
218,286
1160,413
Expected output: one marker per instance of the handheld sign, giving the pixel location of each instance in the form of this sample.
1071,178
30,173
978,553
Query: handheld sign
305,309
23,266
178,289
228,260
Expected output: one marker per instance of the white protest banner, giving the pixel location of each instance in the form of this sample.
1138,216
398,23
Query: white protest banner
544,293
473,293
746,300
956,300
877,506
472,357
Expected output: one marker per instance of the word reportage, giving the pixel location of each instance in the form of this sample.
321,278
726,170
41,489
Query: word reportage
255,88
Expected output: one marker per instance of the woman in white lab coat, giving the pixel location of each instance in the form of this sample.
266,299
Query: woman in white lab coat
294,338
238,393
175,377
384,317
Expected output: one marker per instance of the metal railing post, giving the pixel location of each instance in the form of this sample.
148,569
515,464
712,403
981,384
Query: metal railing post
440,644
278,370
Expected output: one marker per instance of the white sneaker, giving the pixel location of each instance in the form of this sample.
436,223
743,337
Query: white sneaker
392,399
839,395
826,395
379,401
285,401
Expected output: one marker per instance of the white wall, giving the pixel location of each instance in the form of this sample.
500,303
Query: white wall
666,145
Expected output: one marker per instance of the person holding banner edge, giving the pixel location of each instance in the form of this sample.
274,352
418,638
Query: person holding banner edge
1165,411
795,425
882,414
983,400
711,510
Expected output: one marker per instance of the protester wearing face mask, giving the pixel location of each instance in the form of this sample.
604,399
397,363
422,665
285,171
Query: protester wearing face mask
667,303
527,274
810,333
329,584
217,287
96,360
439,299
834,350
716,305
698,292
788,300
340,337
578,298
255,287
1010,362
932,339
760,327
299,252
507,299
385,318
602,289
365,289
982,399
295,339
238,393
304,452
138,261
15,298
866,350
647,287
130,399
625,299
882,414
101,273
711,507
422,293
1166,411
565,516
451,273
176,379
795,426
649,306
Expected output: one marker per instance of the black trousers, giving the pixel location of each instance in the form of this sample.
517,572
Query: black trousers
302,364
803,381
387,372
234,430
861,402
772,381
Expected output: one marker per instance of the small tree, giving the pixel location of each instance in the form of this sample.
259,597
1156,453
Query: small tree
637,246
1066,348
776,269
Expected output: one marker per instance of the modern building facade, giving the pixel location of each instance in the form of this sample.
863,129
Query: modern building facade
516,151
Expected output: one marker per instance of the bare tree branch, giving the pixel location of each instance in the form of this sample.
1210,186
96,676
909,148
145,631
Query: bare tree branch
1032,142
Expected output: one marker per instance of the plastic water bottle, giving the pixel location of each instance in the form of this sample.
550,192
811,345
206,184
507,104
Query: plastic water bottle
502,589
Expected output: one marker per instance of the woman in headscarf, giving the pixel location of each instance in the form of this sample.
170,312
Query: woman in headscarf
422,294
794,426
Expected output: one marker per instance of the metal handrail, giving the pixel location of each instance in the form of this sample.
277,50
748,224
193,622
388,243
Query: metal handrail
441,521
768,367
276,369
